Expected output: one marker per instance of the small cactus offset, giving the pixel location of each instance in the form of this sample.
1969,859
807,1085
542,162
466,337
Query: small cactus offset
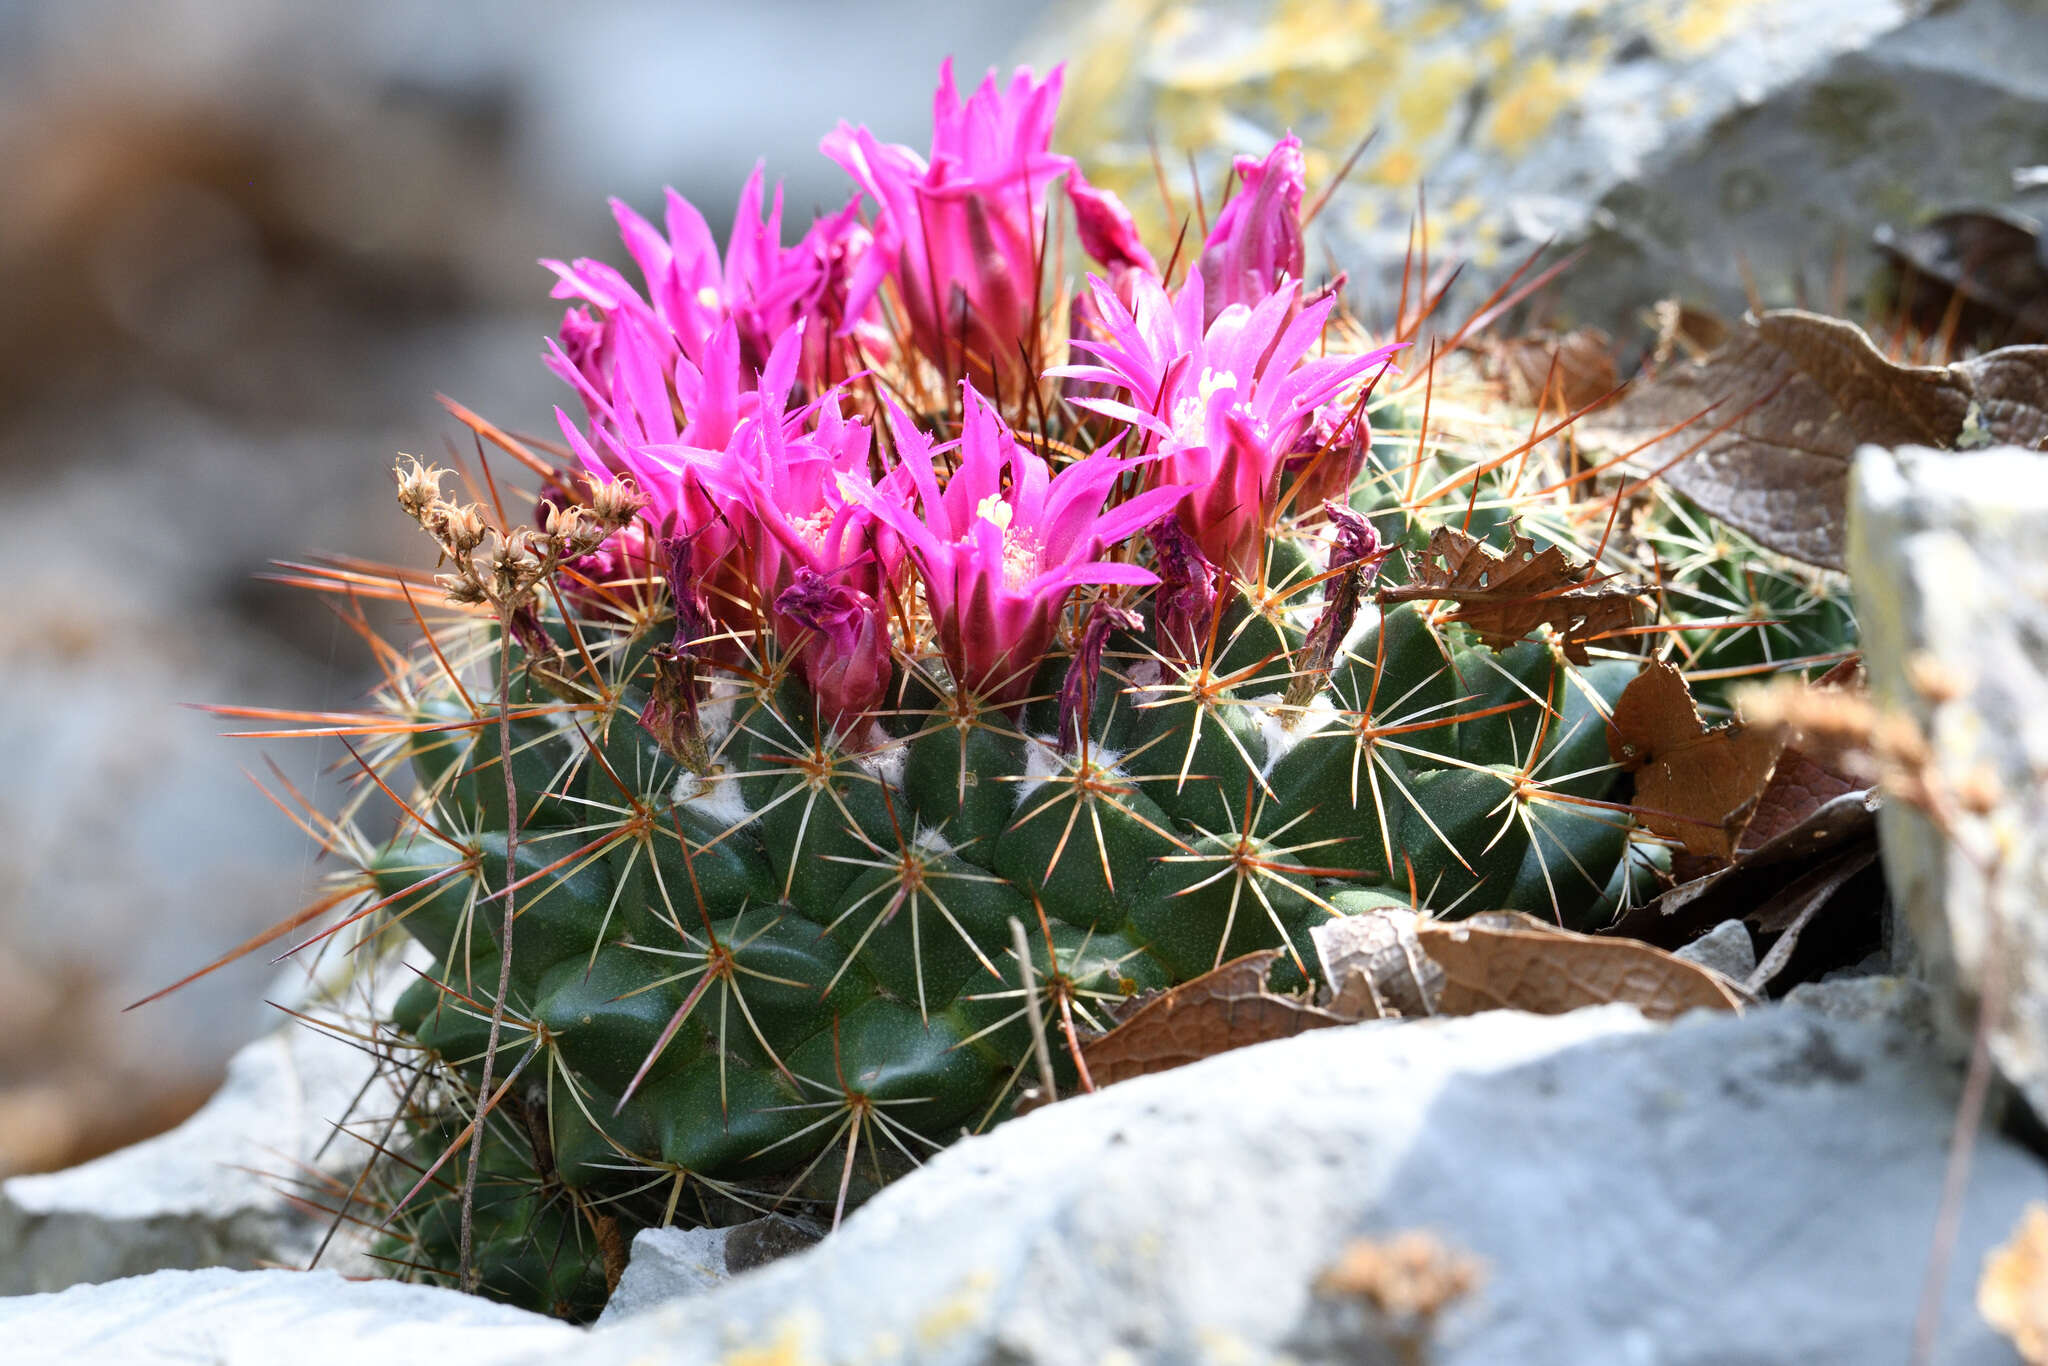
867,695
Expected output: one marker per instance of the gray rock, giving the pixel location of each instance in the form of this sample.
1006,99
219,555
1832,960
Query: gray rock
1727,949
208,1193
675,1263
1903,1001
1685,140
258,1318
1948,555
1726,1190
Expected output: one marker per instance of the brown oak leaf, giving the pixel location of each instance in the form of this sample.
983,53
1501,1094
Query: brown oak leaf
1571,371
1505,960
1225,1008
1698,785
1761,432
1505,594
1976,274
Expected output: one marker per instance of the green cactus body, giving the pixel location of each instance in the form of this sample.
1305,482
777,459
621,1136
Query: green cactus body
788,977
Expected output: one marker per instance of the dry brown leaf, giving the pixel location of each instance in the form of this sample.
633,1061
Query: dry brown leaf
1757,882
1797,393
1684,327
1571,371
1376,966
1505,960
1976,273
1505,594
1223,1009
2012,1294
1694,784
1798,788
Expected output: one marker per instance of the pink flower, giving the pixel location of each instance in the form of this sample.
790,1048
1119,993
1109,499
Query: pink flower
709,478
761,289
1004,544
1223,407
960,234
1256,241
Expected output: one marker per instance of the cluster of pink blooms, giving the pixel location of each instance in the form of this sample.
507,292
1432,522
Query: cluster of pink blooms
719,386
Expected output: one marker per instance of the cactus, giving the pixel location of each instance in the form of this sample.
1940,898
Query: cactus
864,692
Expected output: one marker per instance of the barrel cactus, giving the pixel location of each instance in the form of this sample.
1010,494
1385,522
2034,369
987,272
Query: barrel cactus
866,697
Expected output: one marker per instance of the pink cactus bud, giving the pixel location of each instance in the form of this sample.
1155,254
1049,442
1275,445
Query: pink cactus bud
846,658
1107,231
1329,453
1256,244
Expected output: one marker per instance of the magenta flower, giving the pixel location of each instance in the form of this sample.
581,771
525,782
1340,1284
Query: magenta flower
1222,408
959,235
1002,546
1256,241
760,288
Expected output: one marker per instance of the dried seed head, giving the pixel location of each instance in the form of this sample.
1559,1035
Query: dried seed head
459,527
419,488
614,503
463,589
575,530
1934,680
1979,791
514,565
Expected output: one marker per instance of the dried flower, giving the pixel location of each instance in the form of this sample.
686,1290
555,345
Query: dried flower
1358,555
846,659
1077,689
1185,604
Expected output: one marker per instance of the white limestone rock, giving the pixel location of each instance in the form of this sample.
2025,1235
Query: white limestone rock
675,1263
211,1191
1757,1189
261,1318
1948,556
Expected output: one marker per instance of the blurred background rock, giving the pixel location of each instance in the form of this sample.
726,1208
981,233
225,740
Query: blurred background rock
1717,152
242,245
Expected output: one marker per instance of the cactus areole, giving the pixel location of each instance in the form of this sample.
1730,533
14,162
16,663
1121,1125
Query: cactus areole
895,612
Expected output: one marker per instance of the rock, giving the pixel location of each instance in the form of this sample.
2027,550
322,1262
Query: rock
1904,1001
674,1263
1753,1189
1948,555
1685,141
210,1192
256,1318
1727,949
